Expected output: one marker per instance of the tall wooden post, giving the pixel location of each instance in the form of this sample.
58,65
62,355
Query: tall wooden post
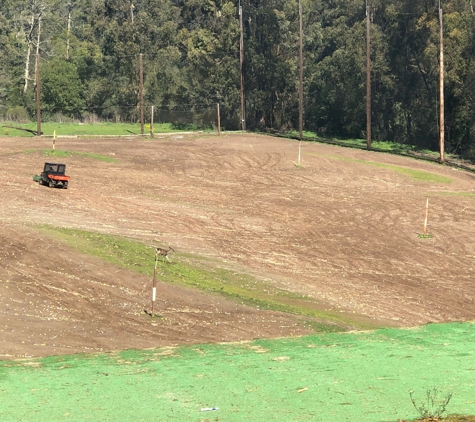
368,76
151,122
300,74
241,62
38,96
218,115
141,94
441,89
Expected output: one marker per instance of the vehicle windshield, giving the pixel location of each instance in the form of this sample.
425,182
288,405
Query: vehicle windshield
55,168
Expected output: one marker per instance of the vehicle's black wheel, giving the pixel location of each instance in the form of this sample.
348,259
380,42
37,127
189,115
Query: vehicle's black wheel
51,184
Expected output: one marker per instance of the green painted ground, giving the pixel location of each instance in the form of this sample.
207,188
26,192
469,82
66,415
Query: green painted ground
332,377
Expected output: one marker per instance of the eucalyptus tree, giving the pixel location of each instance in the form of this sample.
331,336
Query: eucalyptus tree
459,48
208,40
156,28
271,33
5,52
336,69
412,33
124,30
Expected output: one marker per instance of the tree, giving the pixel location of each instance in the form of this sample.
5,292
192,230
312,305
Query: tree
61,88
271,63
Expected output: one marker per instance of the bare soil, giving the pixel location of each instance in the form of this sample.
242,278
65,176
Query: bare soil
338,228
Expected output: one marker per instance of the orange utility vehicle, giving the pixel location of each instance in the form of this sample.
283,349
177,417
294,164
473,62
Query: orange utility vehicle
54,176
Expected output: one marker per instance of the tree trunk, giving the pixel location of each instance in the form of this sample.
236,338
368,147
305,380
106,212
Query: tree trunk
28,52
69,32
38,45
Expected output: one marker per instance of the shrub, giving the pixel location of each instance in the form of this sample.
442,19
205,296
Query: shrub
432,407
17,114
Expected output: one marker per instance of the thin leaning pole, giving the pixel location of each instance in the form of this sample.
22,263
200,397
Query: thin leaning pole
154,285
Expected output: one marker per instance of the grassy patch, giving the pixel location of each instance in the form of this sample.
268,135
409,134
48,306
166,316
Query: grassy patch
63,154
460,194
89,129
421,176
191,271
418,175
424,236
382,146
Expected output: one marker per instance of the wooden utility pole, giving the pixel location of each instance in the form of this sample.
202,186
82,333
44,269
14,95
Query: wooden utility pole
368,76
441,88
241,62
141,94
38,96
218,116
151,122
300,74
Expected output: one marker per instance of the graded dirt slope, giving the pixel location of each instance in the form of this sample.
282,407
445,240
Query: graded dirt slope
342,228
57,301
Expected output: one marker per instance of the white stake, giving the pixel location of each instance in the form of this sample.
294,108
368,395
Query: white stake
154,288
427,213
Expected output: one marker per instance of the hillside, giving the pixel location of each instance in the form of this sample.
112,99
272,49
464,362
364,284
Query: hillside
341,230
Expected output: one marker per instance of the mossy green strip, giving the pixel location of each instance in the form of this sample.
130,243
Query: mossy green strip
62,154
459,194
192,271
418,175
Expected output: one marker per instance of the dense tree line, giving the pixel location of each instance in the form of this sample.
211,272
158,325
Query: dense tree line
90,49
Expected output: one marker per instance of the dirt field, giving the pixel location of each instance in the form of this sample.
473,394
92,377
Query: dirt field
340,228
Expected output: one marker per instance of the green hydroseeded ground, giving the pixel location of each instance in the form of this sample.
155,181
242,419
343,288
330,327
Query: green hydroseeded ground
336,377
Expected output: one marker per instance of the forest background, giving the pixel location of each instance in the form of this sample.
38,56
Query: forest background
89,59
